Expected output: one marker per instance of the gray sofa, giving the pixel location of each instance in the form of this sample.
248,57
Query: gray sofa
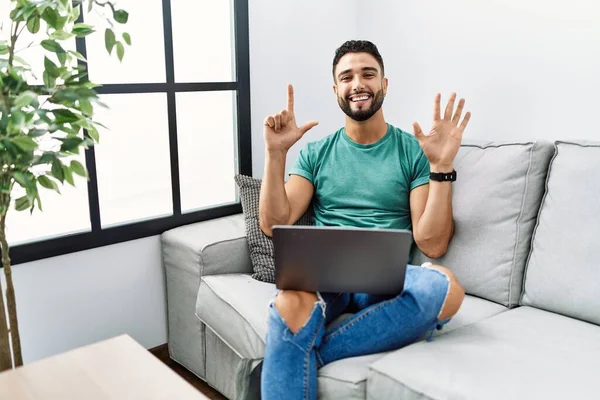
526,249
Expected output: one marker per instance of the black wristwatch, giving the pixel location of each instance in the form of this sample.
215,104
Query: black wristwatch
442,176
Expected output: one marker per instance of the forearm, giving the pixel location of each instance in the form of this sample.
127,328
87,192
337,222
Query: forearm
436,225
274,207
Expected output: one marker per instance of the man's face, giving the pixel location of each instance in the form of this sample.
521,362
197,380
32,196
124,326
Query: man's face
360,86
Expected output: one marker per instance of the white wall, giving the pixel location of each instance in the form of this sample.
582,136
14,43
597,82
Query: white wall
528,69
77,299
294,42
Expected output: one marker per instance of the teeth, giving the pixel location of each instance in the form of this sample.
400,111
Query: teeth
360,98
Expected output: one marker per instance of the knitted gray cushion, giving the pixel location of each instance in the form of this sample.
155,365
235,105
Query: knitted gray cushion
260,245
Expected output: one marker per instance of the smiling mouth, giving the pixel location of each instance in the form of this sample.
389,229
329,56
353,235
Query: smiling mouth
357,98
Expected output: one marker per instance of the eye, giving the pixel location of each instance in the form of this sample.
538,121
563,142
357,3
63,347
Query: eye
369,75
345,78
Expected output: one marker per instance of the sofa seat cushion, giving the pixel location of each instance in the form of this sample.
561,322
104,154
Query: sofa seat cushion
472,310
525,353
235,307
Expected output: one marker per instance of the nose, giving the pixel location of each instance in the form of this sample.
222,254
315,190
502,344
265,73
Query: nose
357,84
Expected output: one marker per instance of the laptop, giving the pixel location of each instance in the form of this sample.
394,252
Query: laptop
341,259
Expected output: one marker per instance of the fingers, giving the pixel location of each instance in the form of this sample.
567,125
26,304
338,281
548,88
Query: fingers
290,99
436,107
450,107
465,121
308,126
417,130
284,117
458,112
270,121
277,122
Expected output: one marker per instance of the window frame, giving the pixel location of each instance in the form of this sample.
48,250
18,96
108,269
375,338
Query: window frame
98,236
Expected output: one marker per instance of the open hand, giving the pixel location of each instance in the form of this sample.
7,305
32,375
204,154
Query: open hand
443,141
281,131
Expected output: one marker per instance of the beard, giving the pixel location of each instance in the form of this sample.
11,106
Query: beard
365,113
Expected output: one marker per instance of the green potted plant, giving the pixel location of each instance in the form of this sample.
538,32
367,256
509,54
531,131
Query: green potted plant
43,124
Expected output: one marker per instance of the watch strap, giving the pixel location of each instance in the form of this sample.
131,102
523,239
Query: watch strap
443,176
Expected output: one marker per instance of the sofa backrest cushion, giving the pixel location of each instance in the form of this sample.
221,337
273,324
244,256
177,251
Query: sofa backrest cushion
259,244
563,270
495,203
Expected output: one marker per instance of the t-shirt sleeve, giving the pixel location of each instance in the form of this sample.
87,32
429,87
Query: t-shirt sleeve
303,165
420,175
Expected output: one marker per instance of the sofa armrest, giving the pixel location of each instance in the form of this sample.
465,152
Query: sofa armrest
189,252
211,247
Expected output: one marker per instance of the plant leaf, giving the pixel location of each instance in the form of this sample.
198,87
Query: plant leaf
93,132
52,45
78,168
61,22
127,38
16,121
20,179
78,55
70,143
120,51
86,107
68,175
22,203
57,170
82,30
25,99
51,68
121,16
49,81
45,158
62,58
76,12
34,133
60,35
33,25
109,40
48,183
63,115
25,143
51,16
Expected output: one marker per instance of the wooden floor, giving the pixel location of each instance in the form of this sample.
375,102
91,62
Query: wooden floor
162,353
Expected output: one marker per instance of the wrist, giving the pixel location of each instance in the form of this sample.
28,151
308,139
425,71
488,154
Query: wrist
276,153
441,168
275,156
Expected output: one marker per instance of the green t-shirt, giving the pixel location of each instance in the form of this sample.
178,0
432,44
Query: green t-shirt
365,186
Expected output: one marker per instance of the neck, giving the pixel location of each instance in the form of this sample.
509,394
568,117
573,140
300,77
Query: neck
369,131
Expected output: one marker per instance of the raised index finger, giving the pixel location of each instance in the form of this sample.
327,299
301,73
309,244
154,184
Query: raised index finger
290,99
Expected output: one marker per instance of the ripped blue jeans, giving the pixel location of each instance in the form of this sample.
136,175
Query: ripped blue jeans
378,324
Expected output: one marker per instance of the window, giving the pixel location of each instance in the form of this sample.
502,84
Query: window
177,131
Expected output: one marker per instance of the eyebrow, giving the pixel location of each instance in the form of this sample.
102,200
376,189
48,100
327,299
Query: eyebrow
364,69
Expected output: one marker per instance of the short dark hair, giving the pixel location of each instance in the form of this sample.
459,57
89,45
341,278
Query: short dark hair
357,46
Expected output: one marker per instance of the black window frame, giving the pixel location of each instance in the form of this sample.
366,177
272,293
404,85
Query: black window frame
98,236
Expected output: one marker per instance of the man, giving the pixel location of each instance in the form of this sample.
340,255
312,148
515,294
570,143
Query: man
367,174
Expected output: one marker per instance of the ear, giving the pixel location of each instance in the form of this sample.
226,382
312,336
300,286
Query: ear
384,84
335,89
